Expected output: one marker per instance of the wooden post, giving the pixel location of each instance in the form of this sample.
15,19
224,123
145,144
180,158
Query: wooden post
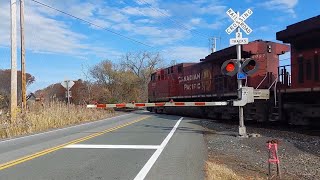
13,90
23,65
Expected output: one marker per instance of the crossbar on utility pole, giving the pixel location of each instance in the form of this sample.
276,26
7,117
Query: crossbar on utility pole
13,90
23,65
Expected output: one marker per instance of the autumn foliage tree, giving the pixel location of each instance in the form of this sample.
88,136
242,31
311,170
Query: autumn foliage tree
142,65
115,84
126,81
109,82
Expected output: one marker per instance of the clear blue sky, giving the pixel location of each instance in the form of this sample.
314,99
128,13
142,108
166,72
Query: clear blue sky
60,47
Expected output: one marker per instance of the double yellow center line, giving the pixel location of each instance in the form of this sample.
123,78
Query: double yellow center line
46,151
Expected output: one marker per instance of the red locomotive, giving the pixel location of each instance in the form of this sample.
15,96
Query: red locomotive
299,92
203,81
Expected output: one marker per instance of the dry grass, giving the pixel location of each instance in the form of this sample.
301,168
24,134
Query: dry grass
54,115
216,171
220,172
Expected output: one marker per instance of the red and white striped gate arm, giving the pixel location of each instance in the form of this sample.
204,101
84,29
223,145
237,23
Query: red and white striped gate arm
248,95
159,104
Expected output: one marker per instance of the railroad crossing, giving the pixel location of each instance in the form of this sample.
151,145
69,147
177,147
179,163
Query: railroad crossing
237,24
239,21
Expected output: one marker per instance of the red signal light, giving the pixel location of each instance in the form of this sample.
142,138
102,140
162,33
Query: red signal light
230,67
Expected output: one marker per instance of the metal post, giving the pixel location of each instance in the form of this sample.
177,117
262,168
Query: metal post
214,45
23,65
13,101
68,92
242,128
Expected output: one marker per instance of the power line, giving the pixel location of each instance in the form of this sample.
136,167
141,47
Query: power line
164,24
173,20
93,24
88,22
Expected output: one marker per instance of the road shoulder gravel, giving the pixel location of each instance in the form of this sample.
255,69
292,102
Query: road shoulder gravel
299,153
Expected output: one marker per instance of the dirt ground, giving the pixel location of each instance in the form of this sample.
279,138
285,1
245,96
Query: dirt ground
299,150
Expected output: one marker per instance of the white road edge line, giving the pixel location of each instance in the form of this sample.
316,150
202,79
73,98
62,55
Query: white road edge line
101,146
146,168
62,128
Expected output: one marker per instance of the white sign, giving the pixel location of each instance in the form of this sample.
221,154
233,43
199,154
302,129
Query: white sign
239,21
234,41
67,84
238,35
70,94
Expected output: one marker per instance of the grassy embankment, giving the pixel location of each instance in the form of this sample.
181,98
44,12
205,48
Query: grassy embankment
49,116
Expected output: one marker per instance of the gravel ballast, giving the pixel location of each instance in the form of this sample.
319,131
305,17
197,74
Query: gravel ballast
299,152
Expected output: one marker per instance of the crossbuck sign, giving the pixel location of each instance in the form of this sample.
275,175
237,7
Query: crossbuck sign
239,21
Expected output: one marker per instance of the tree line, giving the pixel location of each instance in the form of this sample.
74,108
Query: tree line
110,82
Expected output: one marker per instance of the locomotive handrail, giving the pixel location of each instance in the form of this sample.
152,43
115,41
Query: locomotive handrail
274,89
275,93
262,81
273,83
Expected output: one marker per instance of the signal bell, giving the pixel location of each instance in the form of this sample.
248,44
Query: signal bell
249,66
230,67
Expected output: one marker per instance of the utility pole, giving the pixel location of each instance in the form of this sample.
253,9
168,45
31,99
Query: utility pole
214,44
13,102
23,64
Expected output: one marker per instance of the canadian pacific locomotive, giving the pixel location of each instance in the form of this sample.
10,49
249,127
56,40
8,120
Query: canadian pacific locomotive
294,89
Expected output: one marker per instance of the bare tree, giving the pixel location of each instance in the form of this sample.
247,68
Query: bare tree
142,64
126,81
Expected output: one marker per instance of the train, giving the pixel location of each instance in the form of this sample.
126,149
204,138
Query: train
294,88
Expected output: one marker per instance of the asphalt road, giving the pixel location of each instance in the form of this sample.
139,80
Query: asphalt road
138,145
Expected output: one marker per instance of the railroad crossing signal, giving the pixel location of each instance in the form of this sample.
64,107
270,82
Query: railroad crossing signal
249,66
231,67
239,21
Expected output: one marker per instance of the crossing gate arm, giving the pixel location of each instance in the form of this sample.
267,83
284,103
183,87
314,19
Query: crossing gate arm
248,95
160,104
